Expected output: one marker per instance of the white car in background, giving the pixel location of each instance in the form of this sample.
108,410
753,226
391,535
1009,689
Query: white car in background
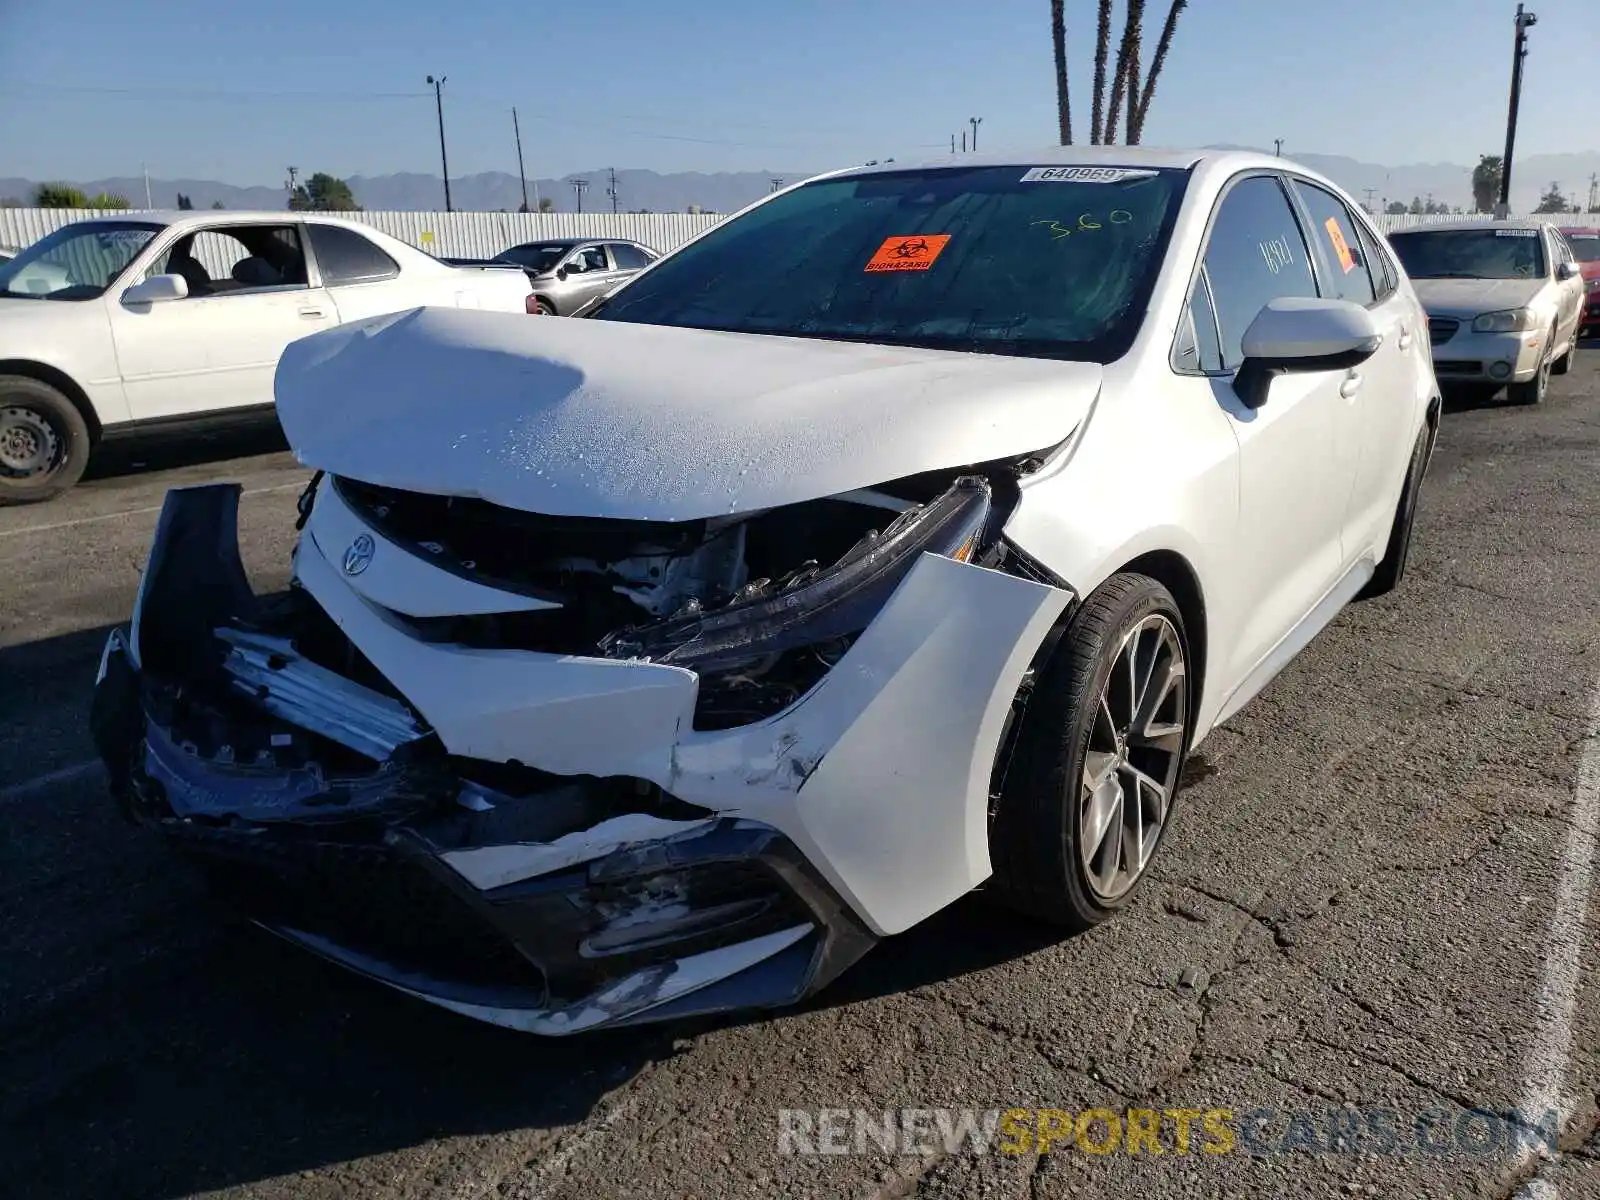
901,534
127,322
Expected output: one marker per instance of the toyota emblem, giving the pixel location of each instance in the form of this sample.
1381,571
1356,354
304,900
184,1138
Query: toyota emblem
358,556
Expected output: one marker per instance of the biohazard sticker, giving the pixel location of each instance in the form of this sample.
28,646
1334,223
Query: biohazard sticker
1340,246
1085,174
908,252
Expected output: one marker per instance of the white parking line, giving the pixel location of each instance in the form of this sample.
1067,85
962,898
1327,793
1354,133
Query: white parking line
28,787
133,512
1549,1055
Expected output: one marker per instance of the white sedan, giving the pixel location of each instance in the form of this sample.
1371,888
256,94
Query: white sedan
133,322
898,536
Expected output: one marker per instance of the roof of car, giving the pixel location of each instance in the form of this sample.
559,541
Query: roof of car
1588,230
212,216
1089,156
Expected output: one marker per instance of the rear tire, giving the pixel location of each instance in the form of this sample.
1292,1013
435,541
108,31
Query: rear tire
1393,567
44,441
1091,786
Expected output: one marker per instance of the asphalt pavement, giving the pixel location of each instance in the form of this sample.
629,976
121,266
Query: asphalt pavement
1366,957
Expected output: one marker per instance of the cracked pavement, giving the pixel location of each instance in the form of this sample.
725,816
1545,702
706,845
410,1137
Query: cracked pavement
1352,911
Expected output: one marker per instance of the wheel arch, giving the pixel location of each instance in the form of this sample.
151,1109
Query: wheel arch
63,383
1175,573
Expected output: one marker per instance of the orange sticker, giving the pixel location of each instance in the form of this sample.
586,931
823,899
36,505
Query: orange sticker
908,252
1340,246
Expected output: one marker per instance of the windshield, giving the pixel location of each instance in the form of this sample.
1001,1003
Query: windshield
76,262
537,257
1585,245
1049,262
1471,253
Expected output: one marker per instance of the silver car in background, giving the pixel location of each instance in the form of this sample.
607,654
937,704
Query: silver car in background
567,273
1504,301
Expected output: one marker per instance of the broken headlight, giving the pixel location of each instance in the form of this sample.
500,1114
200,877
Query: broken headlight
821,604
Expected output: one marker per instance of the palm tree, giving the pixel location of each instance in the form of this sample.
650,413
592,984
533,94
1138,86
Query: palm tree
1122,83
1160,61
1058,35
1102,49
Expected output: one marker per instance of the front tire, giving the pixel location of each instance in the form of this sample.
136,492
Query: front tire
545,307
1564,363
1532,392
44,441
1091,787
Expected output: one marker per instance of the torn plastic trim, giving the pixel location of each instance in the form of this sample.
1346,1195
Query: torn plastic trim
630,997
488,867
289,686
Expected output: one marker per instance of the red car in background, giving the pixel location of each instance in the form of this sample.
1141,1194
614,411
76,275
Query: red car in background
1585,244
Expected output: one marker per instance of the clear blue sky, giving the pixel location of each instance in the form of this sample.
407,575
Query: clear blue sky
235,91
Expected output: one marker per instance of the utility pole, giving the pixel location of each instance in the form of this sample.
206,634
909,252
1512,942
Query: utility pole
1519,51
975,122
1370,192
521,174
1594,192
777,183
963,141
612,190
577,186
1277,147
952,143
293,173
444,162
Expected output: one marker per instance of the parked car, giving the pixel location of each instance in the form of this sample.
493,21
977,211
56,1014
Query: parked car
125,323
1504,300
7,254
1585,243
763,613
569,273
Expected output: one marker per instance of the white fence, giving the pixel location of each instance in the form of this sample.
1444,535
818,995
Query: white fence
449,235
485,234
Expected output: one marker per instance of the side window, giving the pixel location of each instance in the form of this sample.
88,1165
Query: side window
1256,253
629,258
1384,278
236,258
1334,230
593,258
344,257
1198,348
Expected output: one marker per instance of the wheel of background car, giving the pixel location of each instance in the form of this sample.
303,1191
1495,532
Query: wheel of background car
1564,363
1090,789
546,307
44,441
1532,392
1393,567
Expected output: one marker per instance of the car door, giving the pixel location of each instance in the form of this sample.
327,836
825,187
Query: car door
1292,491
589,274
1373,422
218,348
359,276
1571,292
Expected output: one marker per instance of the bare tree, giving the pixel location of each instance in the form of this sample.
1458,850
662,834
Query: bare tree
1058,35
1156,65
1102,50
1122,84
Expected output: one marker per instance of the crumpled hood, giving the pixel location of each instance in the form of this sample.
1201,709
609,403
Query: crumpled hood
1474,296
608,419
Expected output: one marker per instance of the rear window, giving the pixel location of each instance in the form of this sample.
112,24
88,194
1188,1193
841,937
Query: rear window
537,257
1052,262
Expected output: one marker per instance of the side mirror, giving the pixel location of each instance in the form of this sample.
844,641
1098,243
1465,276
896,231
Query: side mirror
158,289
561,272
1302,333
1567,270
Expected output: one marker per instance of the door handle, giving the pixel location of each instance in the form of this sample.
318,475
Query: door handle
1405,338
311,313
1350,386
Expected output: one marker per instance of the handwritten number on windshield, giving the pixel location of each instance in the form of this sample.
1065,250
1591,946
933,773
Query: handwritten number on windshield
1087,223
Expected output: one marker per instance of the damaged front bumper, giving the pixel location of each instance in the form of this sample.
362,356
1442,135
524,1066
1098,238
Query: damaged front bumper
545,841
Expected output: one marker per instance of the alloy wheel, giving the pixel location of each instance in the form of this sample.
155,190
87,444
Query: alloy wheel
1130,766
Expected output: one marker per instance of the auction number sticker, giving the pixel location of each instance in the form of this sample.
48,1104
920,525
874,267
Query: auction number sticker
1085,174
908,252
1516,233
1340,246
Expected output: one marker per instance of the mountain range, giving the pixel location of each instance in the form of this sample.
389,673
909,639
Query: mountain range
493,191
